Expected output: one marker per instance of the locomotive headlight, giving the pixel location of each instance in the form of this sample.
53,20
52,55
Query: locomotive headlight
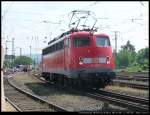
80,63
85,60
80,60
104,60
108,60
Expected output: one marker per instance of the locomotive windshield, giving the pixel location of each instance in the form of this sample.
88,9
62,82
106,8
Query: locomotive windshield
102,41
79,42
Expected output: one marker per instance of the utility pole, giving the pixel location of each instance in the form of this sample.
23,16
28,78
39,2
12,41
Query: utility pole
6,51
6,47
20,51
13,50
30,51
7,56
116,37
116,42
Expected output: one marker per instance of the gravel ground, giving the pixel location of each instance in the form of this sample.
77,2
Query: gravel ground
70,101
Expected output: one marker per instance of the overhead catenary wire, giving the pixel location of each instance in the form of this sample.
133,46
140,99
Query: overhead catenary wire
37,27
89,5
4,18
33,13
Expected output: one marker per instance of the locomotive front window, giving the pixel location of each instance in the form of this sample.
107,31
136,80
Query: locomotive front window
102,41
79,42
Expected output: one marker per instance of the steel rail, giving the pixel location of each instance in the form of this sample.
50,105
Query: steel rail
134,85
15,106
143,101
130,77
130,105
52,106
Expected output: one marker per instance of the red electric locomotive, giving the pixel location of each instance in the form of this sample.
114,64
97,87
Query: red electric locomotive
79,57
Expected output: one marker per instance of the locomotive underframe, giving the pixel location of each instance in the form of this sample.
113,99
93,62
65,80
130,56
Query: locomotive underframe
85,77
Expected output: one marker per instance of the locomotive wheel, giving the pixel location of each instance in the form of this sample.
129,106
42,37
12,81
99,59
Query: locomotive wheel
70,83
90,85
102,85
79,84
67,82
96,84
59,82
83,84
110,81
64,82
75,83
45,78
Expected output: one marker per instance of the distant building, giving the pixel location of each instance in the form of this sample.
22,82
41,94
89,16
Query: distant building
27,67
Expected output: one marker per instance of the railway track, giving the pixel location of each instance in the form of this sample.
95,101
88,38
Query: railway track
132,77
132,103
9,101
125,102
134,73
25,101
143,101
131,84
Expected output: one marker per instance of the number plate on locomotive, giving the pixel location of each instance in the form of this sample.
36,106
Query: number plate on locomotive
87,60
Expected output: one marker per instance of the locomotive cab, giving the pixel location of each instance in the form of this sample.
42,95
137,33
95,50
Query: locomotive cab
91,58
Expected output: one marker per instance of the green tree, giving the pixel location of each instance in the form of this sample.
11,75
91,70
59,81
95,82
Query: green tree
23,60
124,58
142,58
126,55
129,47
7,64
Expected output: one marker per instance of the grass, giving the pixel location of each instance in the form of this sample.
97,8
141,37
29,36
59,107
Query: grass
128,90
24,78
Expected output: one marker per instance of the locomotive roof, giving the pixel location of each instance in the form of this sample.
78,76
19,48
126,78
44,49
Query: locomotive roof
87,33
74,33
101,34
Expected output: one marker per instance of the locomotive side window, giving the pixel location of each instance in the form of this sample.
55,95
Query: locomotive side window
50,49
61,44
53,48
79,42
102,41
56,46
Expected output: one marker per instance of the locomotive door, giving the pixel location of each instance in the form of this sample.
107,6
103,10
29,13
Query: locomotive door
66,53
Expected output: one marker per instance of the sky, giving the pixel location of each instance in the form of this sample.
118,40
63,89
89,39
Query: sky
36,23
